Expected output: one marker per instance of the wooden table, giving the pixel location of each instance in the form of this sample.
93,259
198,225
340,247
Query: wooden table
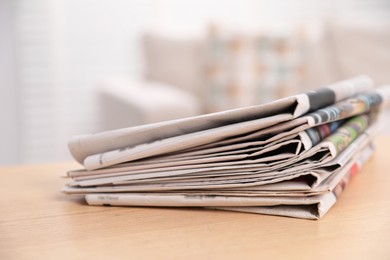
38,221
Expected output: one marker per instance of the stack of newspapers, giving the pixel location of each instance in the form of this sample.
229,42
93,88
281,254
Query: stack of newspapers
291,157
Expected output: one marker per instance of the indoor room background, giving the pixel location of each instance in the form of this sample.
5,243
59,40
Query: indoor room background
71,67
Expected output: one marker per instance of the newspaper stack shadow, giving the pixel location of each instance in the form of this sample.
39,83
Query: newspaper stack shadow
291,157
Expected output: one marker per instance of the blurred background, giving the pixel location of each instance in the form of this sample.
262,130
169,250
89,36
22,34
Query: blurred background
72,67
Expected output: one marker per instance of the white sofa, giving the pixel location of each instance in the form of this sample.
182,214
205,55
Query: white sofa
186,77
125,102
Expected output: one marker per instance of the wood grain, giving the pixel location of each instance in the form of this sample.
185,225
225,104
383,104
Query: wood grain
37,221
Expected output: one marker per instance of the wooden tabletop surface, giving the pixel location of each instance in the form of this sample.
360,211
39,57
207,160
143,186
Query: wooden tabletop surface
37,221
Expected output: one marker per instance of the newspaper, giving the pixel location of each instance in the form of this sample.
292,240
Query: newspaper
273,136
261,116
353,106
237,134
336,145
290,157
308,207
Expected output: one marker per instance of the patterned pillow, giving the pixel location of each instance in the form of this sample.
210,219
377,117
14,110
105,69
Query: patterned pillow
244,70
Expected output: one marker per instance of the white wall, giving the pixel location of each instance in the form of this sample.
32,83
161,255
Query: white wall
9,143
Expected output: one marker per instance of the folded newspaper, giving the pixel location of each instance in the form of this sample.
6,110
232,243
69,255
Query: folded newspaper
291,157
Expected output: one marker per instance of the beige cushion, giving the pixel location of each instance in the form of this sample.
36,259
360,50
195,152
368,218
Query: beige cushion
176,61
